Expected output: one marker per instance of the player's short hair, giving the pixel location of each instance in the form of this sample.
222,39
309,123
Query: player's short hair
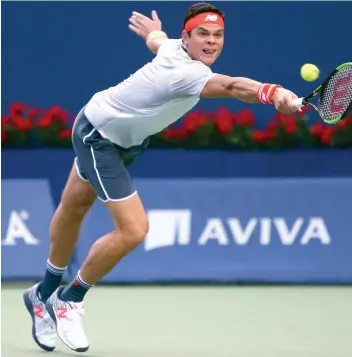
200,8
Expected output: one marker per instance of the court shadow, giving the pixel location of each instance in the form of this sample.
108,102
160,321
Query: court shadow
17,351
55,353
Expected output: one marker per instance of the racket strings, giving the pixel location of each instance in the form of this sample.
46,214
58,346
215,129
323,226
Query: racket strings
336,95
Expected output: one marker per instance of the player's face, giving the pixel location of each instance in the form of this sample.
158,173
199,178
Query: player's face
205,43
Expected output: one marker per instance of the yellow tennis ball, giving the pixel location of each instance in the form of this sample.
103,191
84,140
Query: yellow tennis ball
310,72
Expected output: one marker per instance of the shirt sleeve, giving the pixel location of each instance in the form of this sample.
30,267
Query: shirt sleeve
164,47
190,79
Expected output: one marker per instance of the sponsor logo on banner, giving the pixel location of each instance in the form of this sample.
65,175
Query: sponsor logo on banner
18,230
167,228
174,227
26,213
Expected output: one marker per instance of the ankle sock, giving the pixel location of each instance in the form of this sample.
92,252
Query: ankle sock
52,280
75,291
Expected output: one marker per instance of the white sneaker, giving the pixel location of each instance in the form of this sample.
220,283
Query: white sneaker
43,326
68,319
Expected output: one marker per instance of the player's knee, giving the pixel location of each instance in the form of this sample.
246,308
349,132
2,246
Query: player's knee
76,207
135,232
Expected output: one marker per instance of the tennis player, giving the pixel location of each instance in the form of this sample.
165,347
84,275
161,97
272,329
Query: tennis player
109,133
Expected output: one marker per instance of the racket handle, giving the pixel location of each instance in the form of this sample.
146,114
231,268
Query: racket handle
298,103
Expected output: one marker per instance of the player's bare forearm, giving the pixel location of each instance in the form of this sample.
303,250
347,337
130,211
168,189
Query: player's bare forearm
250,91
244,89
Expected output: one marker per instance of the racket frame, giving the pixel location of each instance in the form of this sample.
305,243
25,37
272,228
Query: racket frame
306,100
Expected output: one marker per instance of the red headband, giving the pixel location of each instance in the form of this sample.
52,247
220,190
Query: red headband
202,19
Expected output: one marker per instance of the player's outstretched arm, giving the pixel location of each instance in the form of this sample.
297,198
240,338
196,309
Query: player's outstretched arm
250,91
150,29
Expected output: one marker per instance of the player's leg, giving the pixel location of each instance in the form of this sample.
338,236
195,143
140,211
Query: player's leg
131,227
103,163
66,305
77,198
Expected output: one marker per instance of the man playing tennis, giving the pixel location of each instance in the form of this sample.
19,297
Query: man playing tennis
108,134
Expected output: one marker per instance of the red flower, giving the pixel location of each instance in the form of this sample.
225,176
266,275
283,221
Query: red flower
5,119
272,128
223,113
327,134
270,134
64,116
317,129
17,109
288,122
166,133
45,121
65,133
22,123
245,118
259,136
192,121
34,112
176,133
279,117
224,120
290,128
224,125
56,110
57,113
179,133
212,116
345,122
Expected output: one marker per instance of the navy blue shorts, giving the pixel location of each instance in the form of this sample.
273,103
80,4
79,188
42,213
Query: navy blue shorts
102,163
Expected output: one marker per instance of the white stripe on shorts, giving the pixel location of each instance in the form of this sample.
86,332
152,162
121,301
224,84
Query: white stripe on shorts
78,173
102,186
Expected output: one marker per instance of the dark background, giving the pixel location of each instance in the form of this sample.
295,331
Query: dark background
63,52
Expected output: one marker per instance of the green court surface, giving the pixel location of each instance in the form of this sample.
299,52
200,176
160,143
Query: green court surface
226,321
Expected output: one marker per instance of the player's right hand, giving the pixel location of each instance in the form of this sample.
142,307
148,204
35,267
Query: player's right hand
143,25
283,101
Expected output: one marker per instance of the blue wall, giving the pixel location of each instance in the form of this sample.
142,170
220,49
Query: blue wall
63,52
201,230
55,164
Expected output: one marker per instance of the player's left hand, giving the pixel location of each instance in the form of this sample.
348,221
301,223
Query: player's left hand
143,25
283,101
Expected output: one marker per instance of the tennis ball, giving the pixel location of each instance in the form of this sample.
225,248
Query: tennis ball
310,72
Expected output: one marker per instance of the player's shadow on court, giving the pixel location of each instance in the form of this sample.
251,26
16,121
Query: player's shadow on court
60,353
56,353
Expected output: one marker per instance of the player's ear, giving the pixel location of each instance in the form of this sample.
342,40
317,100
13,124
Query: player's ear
185,37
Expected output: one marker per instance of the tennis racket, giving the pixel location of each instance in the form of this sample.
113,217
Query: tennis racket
335,95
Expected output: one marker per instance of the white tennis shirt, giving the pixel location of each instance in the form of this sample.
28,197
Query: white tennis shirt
151,99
